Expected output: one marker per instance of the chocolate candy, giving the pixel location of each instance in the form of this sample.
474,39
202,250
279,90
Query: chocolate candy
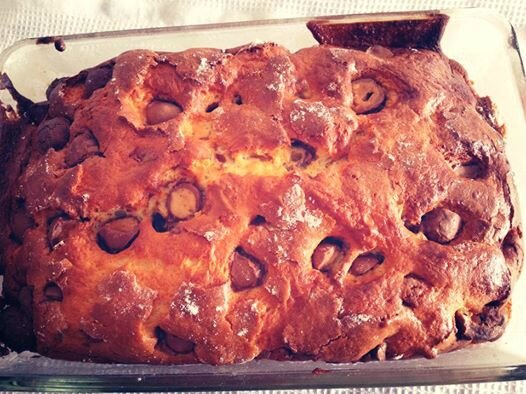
441,225
327,254
212,107
376,354
487,325
57,230
414,289
97,78
473,169
246,271
159,111
172,344
368,96
53,85
56,94
159,223
53,292
53,133
184,201
238,100
118,234
365,263
301,153
258,220
83,145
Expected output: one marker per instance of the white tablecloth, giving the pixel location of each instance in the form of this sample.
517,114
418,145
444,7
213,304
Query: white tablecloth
30,18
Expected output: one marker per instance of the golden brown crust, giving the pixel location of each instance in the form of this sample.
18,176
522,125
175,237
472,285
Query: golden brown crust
412,197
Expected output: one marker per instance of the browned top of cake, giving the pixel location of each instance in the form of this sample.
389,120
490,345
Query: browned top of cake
211,206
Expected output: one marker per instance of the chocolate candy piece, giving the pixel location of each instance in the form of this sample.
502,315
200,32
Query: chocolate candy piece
470,171
97,78
53,133
368,96
365,263
20,221
53,292
159,111
258,220
84,145
238,100
376,354
327,254
414,289
441,225
487,325
212,107
301,153
53,85
159,223
246,271
57,230
58,105
118,234
184,201
172,344
60,45
16,329
473,169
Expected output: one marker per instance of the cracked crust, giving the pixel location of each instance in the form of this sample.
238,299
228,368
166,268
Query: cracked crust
234,279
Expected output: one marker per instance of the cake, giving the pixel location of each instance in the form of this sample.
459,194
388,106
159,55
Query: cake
341,203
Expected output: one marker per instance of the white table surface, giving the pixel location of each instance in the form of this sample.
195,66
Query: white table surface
30,18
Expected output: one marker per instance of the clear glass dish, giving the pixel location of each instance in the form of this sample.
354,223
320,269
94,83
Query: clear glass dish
482,42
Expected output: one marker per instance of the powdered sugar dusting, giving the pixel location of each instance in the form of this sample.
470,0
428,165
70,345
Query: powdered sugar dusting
433,103
189,305
280,70
273,290
332,86
209,235
303,109
311,220
297,115
203,67
242,333
295,211
358,319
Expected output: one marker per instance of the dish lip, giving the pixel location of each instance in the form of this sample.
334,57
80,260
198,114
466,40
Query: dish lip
338,378
327,379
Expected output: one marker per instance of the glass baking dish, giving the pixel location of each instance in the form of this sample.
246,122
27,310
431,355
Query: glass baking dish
481,41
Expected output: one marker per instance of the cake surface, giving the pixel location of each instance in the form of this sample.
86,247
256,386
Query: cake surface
219,206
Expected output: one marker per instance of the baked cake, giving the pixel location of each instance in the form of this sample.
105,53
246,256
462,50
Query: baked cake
343,203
